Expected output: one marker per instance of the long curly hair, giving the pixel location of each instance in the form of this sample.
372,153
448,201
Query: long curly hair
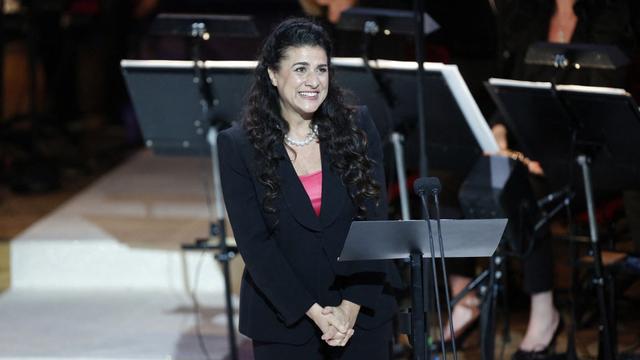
344,141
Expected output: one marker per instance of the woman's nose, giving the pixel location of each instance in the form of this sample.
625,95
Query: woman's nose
312,80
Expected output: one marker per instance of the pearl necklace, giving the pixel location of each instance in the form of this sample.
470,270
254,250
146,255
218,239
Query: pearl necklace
312,135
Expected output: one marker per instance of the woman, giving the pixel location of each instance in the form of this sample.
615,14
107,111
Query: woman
296,171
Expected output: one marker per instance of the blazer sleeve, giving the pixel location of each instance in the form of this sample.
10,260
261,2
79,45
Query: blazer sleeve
366,282
263,259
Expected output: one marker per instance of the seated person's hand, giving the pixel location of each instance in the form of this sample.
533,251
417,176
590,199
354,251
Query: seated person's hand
500,134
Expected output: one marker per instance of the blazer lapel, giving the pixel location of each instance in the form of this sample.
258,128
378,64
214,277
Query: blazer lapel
294,193
334,193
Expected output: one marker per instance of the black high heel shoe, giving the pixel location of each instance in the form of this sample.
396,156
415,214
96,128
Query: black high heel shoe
543,354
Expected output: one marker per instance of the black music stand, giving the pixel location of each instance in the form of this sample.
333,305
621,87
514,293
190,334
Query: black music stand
456,131
170,112
572,120
195,25
386,21
168,105
411,240
576,55
371,22
154,89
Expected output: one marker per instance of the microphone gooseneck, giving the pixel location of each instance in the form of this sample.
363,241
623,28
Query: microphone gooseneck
423,187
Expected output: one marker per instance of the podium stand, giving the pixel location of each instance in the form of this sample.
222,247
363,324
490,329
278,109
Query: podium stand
457,132
599,128
412,240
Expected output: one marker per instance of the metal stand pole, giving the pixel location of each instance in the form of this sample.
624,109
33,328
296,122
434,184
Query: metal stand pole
396,140
417,308
489,283
418,8
607,350
217,229
487,318
225,254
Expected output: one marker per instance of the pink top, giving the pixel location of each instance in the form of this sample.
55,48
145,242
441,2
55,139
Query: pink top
312,184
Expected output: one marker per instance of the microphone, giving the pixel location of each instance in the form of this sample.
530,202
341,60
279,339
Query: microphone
426,184
424,187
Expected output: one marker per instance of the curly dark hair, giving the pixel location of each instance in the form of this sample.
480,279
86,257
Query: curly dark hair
344,141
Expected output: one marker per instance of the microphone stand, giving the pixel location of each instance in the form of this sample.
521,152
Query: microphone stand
425,209
418,8
434,185
436,201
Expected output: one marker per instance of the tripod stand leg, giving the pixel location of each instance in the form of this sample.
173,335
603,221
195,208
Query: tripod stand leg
487,319
606,351
225,255
573,295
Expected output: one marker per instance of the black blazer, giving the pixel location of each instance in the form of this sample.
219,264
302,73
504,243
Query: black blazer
291,265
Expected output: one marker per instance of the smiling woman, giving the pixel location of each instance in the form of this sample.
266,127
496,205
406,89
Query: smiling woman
296,171
302,79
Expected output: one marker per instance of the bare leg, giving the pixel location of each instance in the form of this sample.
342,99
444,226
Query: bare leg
543,321
466,310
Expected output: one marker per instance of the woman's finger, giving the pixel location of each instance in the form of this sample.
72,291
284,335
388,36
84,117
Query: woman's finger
341,325
330,333
347,337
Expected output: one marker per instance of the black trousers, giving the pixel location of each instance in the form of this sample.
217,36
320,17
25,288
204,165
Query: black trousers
375,344
537,266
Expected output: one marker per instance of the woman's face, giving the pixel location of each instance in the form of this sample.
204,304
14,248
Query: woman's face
302,81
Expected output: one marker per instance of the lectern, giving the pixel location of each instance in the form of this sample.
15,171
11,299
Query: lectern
412,239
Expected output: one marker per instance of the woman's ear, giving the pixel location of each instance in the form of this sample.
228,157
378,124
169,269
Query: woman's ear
272,77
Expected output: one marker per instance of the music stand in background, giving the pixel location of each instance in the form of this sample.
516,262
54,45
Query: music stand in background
386,21
195,25
576,55
597,127
168,104
371,22
158,85
410,240
456,131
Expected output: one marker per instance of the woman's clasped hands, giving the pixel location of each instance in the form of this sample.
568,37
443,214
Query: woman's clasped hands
335,322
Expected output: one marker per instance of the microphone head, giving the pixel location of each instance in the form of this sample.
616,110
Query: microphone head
426,184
